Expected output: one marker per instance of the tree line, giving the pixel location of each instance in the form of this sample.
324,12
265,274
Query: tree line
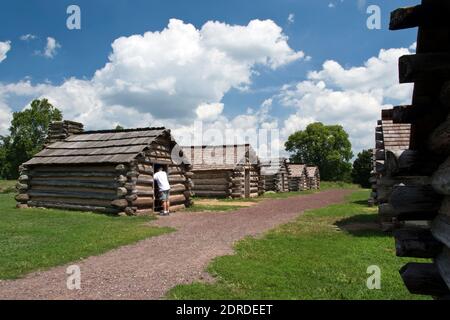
326,146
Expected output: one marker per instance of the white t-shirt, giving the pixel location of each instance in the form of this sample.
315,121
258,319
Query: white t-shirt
161,178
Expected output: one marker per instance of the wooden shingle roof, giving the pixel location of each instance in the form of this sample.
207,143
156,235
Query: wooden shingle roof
223,157
272,166
296,169
109,146
312,171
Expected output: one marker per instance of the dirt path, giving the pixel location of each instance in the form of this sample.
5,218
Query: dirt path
149,268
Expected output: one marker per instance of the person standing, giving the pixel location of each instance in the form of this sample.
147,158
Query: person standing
164,190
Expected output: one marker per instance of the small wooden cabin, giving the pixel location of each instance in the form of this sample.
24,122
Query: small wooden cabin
313,177
297,177
228,171
276,175
104,171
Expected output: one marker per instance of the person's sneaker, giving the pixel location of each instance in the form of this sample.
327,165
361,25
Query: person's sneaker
162,213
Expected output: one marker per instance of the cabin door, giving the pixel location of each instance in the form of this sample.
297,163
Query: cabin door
157,203
247,183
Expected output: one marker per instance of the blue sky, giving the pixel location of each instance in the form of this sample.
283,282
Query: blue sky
322,31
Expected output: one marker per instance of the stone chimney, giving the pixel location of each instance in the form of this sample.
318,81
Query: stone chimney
60,130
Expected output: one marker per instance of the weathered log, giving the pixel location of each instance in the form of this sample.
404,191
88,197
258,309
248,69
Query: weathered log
120,168
415,199
423,67
23,178
21,187
440,228
71,174
75,201
143,202
74,183
119,203
131,197
204,181
144,179
175,199
22,197
121,191
410,162
440,138
416,243
71,194
205,193
442,262
423,15
68,206
218,187
121,179
74,168
424,278
441,179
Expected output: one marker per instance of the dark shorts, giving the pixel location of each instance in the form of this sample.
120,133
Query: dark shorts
164,195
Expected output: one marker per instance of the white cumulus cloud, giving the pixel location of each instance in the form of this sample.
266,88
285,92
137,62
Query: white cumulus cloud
352,97
51,48
167,77
4,48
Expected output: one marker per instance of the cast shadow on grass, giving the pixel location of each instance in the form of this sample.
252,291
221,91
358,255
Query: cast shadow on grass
362,225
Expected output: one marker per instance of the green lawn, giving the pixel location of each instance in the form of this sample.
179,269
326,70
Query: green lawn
7,186
324,254
33,239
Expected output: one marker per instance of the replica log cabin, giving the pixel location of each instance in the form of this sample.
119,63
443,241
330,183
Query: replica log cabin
275,174
228,171
313,177
103,171
422,172
297,177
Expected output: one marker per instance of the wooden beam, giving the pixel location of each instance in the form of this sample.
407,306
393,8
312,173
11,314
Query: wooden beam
436,15
416,243
415,199
423,67
424,278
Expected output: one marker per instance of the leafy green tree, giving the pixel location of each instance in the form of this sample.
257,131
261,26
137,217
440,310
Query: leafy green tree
361,168
326,146
28,131
119,127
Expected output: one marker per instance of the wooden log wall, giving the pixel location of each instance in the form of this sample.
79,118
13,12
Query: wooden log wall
421,175
140,184
227,183
85,188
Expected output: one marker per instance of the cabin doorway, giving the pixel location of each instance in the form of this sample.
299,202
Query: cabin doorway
157,203
247,183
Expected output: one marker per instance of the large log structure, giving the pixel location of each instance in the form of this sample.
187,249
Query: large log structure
313,177
275,173
390,138
421,190
228,171
104,171
298,180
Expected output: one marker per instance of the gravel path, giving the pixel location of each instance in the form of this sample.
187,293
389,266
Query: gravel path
149,268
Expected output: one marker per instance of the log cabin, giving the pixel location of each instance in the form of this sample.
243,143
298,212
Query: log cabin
275,174
297,177
313,177
109,171
418,193
228,171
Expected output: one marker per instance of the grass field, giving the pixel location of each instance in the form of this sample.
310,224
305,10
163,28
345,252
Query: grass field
7,186
324,254
34,239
